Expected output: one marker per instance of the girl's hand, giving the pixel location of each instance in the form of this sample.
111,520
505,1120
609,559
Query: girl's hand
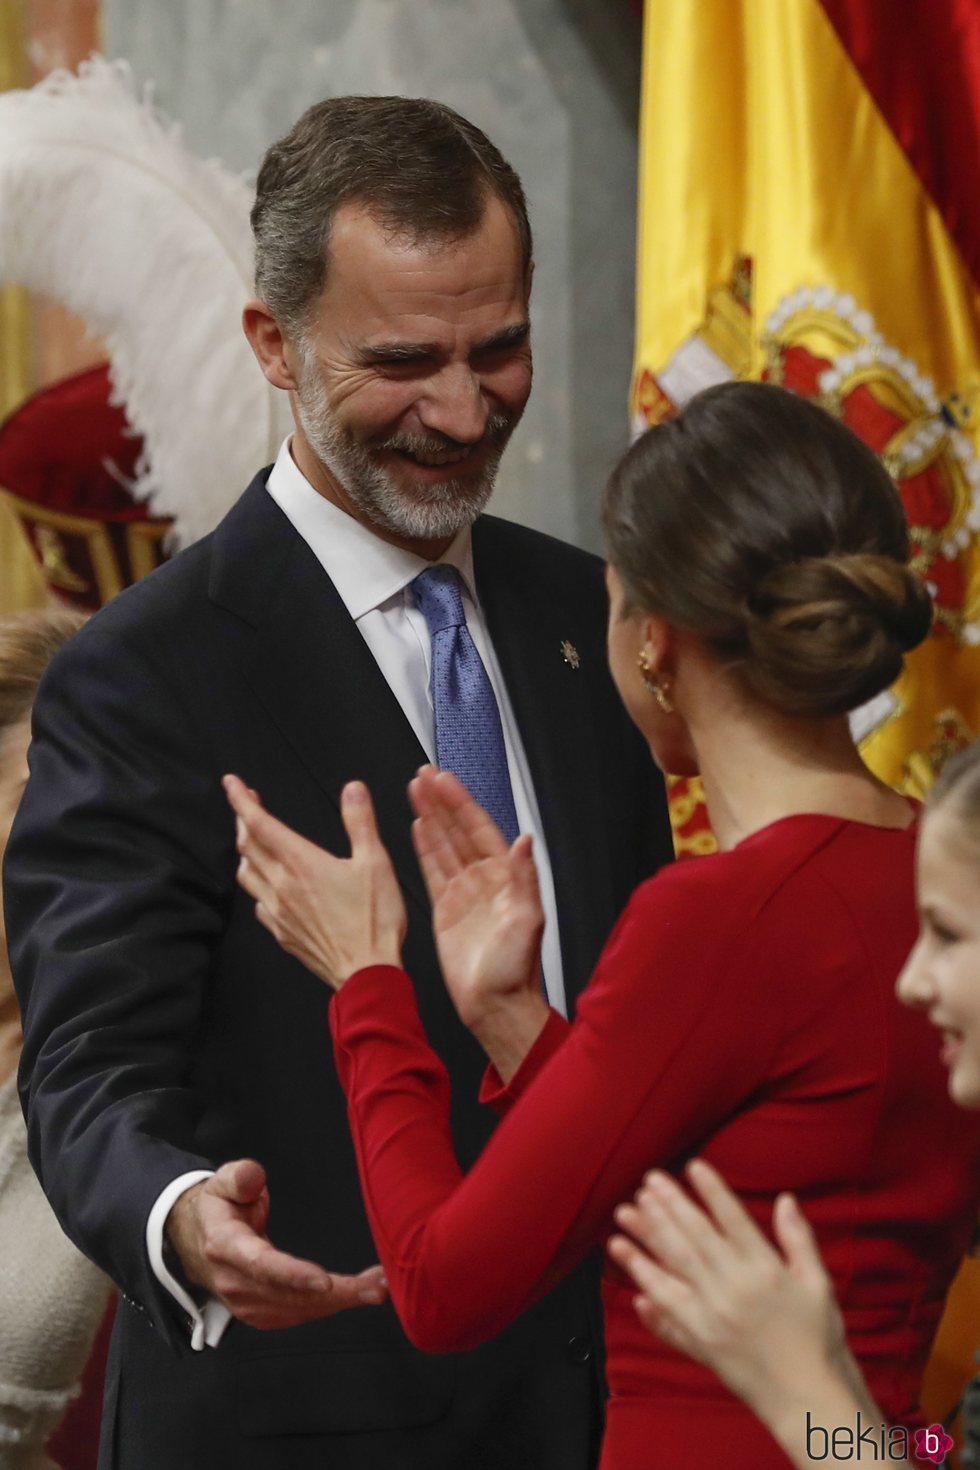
337,915
711,1285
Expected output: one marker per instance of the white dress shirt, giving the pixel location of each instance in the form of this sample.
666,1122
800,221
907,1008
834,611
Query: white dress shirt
372,578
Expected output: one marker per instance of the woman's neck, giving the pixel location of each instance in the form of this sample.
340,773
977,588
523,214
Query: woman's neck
758,766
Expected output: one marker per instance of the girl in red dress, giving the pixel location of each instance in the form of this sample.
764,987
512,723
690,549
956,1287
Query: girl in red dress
744,1007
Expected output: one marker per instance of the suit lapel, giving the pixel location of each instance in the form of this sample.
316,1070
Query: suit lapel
314,674
552,701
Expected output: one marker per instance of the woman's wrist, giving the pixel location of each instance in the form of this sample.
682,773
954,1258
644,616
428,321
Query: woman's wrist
507,1028
376,957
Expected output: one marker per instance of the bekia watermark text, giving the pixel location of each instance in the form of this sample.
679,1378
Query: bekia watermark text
865,1442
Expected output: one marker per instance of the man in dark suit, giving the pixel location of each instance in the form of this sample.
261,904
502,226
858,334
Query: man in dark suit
184,1116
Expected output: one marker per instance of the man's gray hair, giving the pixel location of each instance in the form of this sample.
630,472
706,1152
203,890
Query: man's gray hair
418,167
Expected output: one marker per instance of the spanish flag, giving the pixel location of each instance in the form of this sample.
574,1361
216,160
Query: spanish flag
810,214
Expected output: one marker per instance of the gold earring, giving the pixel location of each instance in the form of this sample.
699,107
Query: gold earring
658,685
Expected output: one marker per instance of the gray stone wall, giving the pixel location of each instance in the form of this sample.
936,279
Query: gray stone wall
555,83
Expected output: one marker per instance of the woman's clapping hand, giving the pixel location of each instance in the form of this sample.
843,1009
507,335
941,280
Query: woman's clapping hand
337,915
487,917
340,915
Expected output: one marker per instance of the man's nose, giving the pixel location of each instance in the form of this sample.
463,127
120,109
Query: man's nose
454,405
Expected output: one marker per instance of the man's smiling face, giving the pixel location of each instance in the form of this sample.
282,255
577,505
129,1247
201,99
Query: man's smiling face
413,372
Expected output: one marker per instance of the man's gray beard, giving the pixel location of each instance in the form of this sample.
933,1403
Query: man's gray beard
430,513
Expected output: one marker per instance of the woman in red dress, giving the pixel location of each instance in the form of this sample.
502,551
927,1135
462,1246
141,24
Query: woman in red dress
743,1008
765,1320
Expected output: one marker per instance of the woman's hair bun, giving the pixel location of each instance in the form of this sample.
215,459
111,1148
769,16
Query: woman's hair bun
760,523
827,633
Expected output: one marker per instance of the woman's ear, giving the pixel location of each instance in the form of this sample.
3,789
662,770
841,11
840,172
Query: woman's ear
658,644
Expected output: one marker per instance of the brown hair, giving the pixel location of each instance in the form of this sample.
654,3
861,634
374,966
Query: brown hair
957,788
28,643
760,523
420,168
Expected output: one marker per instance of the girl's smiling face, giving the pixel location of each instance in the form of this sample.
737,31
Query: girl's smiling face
942,974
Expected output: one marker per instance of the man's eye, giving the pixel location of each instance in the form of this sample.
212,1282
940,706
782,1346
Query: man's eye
401,366
944,935
498,352
398,363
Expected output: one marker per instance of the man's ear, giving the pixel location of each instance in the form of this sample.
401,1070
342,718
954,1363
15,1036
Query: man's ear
275,353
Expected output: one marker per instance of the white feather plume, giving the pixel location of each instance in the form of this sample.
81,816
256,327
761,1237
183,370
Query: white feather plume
104,208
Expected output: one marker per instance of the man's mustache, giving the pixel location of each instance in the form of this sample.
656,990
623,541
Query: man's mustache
498,429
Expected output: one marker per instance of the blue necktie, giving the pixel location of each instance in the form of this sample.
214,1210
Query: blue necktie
469,737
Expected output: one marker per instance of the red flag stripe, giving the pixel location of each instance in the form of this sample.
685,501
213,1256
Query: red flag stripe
920,61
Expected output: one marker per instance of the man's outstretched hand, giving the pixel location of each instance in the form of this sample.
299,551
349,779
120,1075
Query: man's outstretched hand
217,1229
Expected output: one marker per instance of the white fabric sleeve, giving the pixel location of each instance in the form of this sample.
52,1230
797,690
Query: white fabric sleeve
209,1321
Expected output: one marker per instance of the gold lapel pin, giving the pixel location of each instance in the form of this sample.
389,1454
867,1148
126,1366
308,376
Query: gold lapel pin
570,654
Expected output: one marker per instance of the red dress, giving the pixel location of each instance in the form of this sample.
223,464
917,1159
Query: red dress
744,1010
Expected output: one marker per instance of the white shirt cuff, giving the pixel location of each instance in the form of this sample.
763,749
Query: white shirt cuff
209,1321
